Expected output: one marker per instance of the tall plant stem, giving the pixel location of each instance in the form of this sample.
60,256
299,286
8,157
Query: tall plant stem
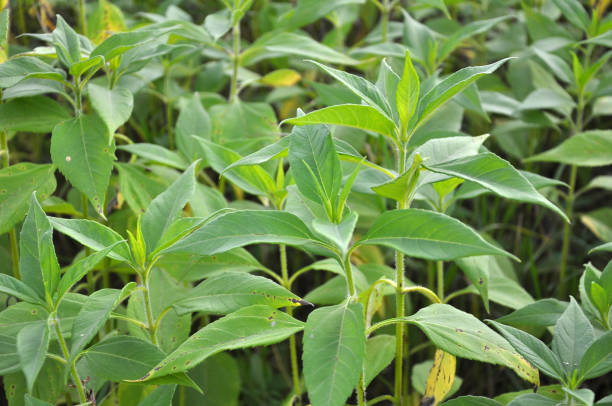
399,296
440,268
235,62
567,232
73,371
82,20
385,20
295,373
4,152
21,21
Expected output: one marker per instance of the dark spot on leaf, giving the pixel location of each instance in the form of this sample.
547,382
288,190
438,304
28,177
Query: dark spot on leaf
486,348
157,368
187,363
480,281
458,330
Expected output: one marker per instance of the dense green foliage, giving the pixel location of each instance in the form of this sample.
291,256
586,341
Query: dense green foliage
321,202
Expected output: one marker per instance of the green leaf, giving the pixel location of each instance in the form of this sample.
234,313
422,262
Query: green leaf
573,335
114,106
447,88
463,335
465,32
121,42
240,228
17,183
82,151
497,175
93,235
167,206
16,114
37,262
380,351
534,350
15,70
248,327
14,287
339,234
161,396
231,291
156,153
597,359
193,120
219,375
428,235
90,65
315,165
334,350
472,401
276,150
93,315
575,13
402,188
66,42
590,148
137,187
291,44
79,269
309,11
32,344
407,95
254,180
367,91
601,248
30,401
542,313
349,115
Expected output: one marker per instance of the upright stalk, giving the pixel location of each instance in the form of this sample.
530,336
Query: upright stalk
235,62
82,20
4,152
385,20
399,295
295,373
440,268
21,21
73,371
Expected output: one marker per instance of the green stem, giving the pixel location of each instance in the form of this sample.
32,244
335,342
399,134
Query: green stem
235,62
399,295
349,275
567,232
361,391
168,102
82,20
22,23
295,373
440,268
4,152
73,371
385,20
149,311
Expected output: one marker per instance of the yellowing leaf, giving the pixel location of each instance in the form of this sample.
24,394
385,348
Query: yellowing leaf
441,378
281,77
105,20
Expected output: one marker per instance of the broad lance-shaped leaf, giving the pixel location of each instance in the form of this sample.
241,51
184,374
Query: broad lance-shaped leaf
350,115
244,227
81,151
334,349
16,114
464,336
248,327
38,263
93,235
279,149
534,350
497,175
574,334
15,70
114,106
231,291
94,313
156,153
315,164
17,182
597,360
445,90
14,287
32,344
361,87
428,235
407,94
590,148
167,206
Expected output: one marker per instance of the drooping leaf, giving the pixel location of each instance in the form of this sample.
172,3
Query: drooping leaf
93,235
589,148
167,206
463,335
334,349
247,327
359,116
231,291
240,228
497,175
17,182
81,150
429,235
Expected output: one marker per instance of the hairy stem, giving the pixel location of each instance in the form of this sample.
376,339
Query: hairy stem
295,373
73,371
235,62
